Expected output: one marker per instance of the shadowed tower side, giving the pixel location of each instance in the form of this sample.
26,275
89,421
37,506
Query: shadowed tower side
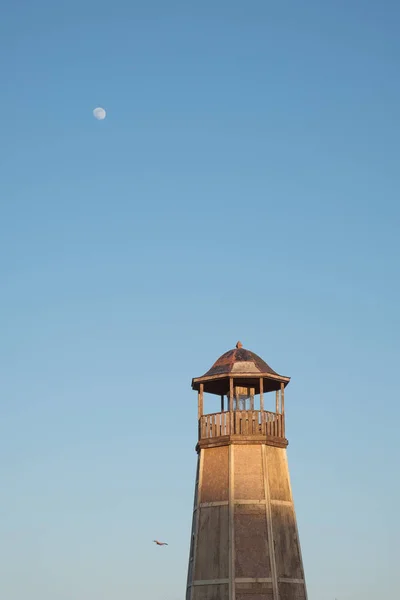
244,542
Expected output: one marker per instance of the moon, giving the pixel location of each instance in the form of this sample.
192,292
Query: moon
99,113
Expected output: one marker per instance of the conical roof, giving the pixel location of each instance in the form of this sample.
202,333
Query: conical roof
239,360
245,366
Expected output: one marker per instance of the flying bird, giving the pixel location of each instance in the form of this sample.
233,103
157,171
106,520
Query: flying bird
160,543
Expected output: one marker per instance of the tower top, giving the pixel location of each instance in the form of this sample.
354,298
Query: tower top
243,365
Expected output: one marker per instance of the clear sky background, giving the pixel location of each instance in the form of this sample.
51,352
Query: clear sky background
244,185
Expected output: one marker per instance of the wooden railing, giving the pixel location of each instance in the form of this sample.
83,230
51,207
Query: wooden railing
242,422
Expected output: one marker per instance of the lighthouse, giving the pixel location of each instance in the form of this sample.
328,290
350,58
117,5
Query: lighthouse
244,541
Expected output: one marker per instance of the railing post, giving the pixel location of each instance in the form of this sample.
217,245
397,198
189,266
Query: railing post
203,426
283,408
218,417
237,415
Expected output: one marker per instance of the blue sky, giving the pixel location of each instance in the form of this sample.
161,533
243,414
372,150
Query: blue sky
244,185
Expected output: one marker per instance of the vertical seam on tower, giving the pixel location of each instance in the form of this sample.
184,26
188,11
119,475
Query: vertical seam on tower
268,516
193,531
295,524
232,591
196,537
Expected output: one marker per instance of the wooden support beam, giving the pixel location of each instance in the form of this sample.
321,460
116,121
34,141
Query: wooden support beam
200,401
216,503
230,394
199,485
231,529
268,515
258,502
261,394
277,401
199,582
210,582
222,403
283,408
253,580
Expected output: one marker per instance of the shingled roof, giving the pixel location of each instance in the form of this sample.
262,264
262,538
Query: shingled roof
241,364
239,360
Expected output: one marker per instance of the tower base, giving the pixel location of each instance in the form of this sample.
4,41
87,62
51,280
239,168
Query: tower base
244,543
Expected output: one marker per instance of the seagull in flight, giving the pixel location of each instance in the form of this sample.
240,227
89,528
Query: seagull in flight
160,543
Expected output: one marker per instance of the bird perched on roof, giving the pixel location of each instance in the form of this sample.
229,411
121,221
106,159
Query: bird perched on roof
160,543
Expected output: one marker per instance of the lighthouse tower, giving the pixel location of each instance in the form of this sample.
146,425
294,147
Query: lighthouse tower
244,543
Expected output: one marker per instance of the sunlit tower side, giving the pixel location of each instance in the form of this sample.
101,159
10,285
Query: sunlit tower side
244,541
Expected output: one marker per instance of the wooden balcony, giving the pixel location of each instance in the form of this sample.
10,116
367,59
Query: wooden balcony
256,423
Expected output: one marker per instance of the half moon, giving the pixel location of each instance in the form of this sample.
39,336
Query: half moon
99,113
